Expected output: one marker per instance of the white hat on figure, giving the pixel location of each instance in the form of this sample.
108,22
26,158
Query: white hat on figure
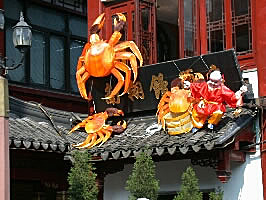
215,79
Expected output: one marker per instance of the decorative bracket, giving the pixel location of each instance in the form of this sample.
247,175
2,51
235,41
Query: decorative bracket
223,170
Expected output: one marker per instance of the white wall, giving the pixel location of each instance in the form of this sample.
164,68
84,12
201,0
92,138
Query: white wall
246,180
245,183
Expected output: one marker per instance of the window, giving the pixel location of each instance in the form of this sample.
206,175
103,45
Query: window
241,22
57,42
215,25
238,26
190,36
74,5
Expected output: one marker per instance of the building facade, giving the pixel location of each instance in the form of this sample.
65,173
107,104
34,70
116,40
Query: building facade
164,31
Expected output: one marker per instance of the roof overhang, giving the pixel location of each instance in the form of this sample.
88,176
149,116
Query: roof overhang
32,126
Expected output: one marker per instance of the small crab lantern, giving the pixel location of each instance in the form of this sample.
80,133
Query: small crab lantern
98,131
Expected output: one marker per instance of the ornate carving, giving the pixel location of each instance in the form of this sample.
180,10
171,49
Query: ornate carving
158,85
209,162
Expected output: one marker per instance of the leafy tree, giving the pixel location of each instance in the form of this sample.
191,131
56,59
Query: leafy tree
82,179
217,195
142,181
190,187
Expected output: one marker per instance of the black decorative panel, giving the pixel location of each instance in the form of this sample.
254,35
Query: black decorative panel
225,60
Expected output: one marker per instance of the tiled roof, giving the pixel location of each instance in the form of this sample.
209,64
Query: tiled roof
31,128
135,138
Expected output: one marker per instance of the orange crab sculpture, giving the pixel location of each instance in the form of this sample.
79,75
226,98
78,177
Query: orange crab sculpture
101,58
98,131
173,111
174,108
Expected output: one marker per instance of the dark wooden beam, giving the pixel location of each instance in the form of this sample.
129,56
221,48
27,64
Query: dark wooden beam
223,170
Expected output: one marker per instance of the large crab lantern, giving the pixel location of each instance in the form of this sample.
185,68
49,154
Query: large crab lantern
101,58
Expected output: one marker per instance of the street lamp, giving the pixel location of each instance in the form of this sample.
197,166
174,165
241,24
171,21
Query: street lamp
22,35
21,39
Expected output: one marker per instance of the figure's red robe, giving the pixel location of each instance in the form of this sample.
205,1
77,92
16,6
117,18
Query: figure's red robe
213,99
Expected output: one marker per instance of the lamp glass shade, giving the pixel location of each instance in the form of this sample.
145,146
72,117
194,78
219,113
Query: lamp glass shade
2,19
22,34
22,37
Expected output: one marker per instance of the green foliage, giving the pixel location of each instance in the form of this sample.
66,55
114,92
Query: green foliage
82,179
217,195
190,187
142,181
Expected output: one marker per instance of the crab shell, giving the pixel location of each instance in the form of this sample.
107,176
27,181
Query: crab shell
179,100
97,123
101,56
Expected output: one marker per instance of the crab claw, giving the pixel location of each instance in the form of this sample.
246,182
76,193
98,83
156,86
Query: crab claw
121,17
124,125
119,24
114,112
119,113
98,24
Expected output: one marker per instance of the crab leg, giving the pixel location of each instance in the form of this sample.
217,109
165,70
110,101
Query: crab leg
108,133
82,76
119,85
132,46
163,112
123,67
86,141
165,99
100,134
133,61
81,58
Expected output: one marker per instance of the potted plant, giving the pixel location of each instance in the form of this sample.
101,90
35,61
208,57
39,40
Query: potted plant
189,187
142,183
81,178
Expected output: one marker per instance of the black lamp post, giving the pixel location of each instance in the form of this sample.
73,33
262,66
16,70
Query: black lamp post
21,39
